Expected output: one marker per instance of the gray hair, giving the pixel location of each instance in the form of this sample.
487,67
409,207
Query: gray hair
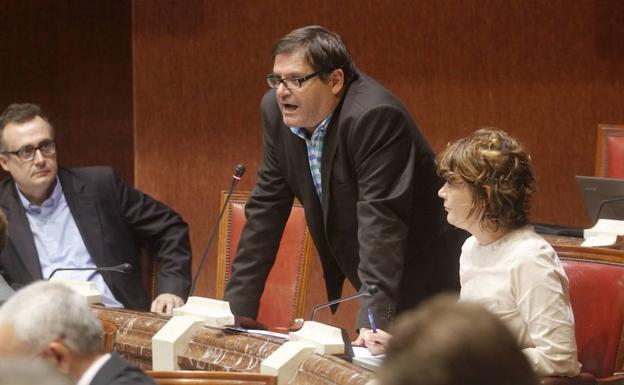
23,371
46,311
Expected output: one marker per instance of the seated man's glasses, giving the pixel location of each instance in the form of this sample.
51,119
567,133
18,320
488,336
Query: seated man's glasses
27,153
291,83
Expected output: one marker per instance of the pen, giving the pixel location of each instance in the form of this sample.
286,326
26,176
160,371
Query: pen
371,319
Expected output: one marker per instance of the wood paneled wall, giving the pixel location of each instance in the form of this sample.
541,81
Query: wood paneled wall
172,96
74,59
547,72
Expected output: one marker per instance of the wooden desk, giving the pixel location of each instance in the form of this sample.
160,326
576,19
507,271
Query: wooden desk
219,350
570,247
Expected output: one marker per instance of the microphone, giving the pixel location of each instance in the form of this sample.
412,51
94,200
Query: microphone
239,171
123,268
372,290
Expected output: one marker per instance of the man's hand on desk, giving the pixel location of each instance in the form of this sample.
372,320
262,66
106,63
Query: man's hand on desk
165,303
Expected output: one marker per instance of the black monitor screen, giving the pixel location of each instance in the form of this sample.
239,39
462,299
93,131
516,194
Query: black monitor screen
605,192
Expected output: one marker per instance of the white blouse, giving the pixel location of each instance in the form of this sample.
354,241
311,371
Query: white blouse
520,279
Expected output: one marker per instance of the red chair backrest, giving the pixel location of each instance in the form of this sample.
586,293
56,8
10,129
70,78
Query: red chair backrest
597,301
610,151
284,292
615,157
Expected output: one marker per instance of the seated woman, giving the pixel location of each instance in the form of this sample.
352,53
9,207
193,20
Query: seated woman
505,265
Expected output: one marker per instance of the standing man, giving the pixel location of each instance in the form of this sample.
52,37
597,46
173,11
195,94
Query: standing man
353,156
83,217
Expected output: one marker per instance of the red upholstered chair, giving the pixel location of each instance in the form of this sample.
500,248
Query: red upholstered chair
610,151
284,293
598,304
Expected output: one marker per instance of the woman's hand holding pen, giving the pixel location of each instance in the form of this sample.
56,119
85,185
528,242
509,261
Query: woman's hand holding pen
375,342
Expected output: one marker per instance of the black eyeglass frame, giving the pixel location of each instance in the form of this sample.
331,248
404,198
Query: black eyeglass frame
299,80
44,147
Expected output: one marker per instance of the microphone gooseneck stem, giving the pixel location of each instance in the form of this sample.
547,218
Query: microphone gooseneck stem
235,179
70,268
317,307
123,268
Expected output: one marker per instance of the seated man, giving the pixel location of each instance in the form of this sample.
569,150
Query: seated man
83,217
49,320
446,343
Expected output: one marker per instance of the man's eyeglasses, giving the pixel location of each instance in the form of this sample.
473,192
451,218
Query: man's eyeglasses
27,153
291,83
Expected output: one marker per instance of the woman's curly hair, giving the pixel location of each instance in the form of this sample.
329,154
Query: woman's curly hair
497,170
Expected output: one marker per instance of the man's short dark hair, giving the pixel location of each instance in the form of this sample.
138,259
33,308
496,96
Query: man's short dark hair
19,113
324,50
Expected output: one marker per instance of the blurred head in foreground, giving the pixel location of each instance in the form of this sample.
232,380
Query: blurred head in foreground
51,321
25,371
443,342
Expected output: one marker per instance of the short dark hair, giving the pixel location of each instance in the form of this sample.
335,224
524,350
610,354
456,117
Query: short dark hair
498,171
20,113
324,50
443,342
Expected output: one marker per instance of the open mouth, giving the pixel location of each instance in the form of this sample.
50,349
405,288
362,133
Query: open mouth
289,107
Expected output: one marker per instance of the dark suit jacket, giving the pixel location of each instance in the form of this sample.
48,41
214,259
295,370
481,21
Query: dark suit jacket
117,371
111,216
5,290
380,221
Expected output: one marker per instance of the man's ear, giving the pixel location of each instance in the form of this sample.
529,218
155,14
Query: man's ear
4,160
58,355
336,79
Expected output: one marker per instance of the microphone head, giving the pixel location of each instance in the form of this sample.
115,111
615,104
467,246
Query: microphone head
373,289
239,170
124,268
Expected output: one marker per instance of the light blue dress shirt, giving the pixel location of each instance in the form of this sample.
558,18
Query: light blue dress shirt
59,243
314,144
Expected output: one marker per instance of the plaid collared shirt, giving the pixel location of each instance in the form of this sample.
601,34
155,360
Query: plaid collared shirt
314,143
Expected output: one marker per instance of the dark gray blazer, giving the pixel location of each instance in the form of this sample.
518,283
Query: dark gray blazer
111,217
380,220
117,371
5,290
